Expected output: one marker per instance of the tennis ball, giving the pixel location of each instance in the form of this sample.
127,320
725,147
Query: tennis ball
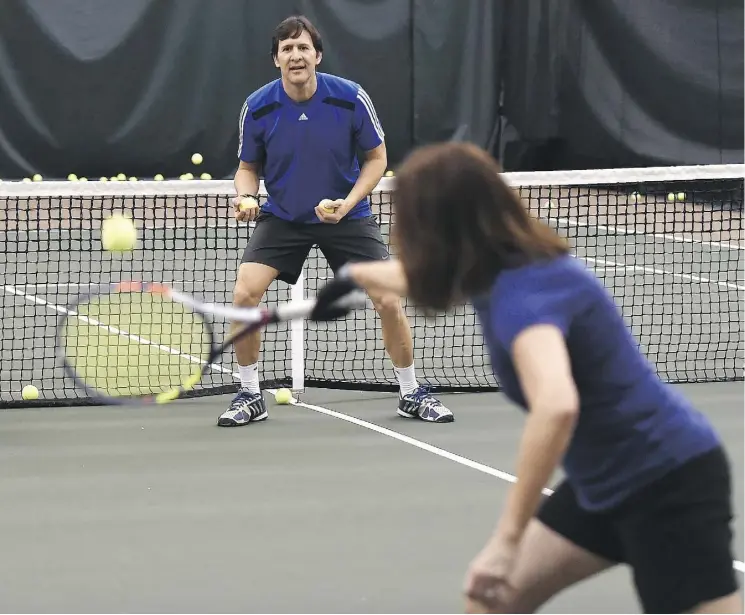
328,205
247,204
118,233
389,173
30,392
103,179
26,180
283,396
681,196
670,196
158,178
205,176
196,158
72,177
121,177
83,179
37,178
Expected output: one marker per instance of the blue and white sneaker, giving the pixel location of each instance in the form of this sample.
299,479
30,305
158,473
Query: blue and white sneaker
419,404
245,408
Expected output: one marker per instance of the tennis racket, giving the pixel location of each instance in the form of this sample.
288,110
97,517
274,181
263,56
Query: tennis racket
144,342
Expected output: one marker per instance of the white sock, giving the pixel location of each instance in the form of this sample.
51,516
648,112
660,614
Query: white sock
250,377
406,379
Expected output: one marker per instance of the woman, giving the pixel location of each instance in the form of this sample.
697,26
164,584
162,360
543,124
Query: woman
647,481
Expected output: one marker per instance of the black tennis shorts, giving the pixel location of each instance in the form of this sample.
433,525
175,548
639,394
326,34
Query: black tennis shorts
675,534
285,245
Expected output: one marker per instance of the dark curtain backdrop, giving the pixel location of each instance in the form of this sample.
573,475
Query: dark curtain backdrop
98,87
623,82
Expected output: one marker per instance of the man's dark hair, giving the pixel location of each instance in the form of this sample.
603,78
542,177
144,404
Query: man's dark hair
458,224
293,27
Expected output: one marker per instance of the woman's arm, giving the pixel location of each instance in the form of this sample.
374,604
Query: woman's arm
543,367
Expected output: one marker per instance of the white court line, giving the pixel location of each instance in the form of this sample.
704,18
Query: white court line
475,465
624,231
464,461
654,270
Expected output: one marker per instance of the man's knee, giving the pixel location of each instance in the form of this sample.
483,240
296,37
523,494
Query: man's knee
388,306
252,283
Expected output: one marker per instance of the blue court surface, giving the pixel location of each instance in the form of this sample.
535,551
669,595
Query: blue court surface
332,506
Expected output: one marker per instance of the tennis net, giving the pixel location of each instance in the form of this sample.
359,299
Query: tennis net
667,242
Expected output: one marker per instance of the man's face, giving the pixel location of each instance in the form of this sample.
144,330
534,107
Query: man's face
297,59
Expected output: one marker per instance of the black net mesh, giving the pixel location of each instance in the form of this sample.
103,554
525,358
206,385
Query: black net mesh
670,252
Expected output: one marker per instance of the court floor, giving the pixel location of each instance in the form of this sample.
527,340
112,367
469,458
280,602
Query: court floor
334,506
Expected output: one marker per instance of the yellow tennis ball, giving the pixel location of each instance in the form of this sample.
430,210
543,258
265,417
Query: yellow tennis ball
205,176
197,158
30,392
247,204
389,173
121,177
681,196
158,178
118,233
72,177
670,196
328,205
283,396
37,177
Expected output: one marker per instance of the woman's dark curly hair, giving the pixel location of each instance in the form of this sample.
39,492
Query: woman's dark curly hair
458,224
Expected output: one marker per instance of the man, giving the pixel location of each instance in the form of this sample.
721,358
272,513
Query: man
303,131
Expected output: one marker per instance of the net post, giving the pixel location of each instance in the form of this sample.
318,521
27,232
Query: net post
297,338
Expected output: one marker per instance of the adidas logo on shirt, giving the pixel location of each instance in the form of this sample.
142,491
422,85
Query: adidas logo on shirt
303,117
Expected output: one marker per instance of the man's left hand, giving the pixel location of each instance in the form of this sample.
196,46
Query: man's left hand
341,209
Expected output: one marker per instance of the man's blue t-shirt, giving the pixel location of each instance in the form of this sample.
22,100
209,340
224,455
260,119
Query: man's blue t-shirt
632,427
309,150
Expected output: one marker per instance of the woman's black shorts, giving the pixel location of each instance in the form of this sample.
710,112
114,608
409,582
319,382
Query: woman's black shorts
675,534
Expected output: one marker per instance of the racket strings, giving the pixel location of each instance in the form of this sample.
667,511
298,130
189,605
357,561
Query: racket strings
134,344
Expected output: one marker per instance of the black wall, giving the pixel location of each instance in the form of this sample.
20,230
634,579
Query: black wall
98,87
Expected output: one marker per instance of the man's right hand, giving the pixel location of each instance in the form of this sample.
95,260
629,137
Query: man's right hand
246,208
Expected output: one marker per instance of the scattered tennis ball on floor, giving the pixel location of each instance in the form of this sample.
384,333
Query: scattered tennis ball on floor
37,177
197,158
30,392
283,396
72,177
118,233
205,176
158,178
